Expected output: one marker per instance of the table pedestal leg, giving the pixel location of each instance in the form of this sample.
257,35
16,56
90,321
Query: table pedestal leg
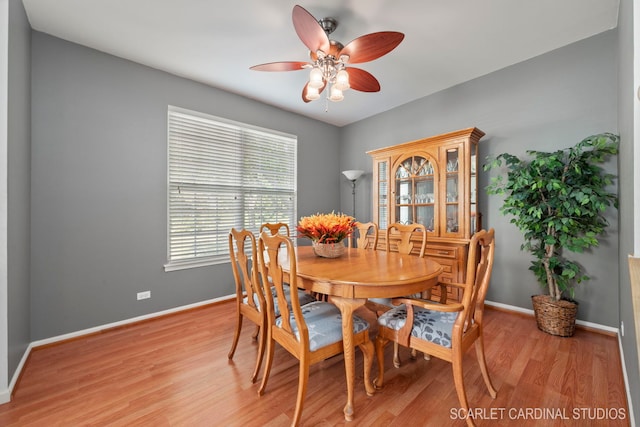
347,306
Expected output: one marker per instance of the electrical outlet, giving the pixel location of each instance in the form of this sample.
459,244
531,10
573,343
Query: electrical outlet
622,328
144,295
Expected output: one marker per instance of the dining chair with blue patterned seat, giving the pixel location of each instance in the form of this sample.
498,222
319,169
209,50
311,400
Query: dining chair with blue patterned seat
446,330
311,333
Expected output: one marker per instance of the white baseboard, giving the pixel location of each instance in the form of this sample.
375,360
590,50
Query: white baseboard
632,421
530,311
5,395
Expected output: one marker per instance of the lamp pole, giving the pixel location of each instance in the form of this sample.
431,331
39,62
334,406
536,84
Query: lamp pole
353,192
353,175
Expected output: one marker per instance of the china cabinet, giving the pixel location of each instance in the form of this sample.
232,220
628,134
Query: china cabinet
434,182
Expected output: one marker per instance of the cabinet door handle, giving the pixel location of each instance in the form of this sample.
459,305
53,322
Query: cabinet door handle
443,252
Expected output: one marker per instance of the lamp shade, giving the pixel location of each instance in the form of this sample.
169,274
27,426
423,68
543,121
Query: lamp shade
342,80
336,94
312,93
353,174
315,78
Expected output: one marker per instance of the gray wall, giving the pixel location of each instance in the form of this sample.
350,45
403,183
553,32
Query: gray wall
549,102
18,184
628,218
99,185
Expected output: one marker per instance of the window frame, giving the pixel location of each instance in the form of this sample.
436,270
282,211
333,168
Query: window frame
248,143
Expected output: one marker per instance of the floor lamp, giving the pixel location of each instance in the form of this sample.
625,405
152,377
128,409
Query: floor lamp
353,175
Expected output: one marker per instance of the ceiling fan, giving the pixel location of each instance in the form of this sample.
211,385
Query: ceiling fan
329,58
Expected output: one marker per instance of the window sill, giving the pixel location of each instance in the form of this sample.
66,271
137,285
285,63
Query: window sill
184,265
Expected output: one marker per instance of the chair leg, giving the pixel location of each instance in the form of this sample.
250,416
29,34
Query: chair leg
267,366
458,379
483,366
302,390
396,354
414,354
261,346
380,344
236,336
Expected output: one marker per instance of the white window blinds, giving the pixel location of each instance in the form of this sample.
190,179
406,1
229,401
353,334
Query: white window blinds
224,174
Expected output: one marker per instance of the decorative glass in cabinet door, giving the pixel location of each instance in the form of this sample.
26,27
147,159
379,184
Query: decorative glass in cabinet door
404,214
404,192
473,202
424,190
383,195
414,166
414,191
452,218
383,189
452,175
452,188
425,216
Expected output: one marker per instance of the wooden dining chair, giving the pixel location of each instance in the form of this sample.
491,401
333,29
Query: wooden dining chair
446,330
311,333
366,231
275,228
398,239
282,228
250,300
250,296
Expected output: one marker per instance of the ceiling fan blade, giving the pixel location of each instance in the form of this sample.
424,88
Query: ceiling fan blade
309,30
362,80
304,92
371,46
280,66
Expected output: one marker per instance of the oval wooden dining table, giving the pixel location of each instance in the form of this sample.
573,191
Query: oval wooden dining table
352,278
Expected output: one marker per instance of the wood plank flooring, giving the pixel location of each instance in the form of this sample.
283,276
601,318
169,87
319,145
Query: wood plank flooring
174,371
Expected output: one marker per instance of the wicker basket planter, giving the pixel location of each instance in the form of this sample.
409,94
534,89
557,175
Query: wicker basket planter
555,317
328,250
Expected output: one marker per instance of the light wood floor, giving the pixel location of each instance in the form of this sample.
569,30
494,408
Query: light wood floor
174,371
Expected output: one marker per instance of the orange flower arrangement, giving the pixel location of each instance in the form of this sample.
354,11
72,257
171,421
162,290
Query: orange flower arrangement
326,228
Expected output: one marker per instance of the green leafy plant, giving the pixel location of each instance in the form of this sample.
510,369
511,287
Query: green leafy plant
558,201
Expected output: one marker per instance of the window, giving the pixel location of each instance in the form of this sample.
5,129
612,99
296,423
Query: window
223,174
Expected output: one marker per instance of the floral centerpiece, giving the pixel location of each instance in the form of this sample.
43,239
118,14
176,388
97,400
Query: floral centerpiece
326,232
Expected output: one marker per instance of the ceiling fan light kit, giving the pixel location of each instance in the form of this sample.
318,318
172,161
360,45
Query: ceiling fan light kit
329,58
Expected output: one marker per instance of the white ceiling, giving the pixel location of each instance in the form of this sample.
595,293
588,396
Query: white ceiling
214,42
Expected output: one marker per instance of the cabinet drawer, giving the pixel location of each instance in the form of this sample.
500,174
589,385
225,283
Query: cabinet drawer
447,267
442,252
446,257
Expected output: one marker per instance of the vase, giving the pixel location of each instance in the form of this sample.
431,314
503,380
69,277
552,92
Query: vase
328,250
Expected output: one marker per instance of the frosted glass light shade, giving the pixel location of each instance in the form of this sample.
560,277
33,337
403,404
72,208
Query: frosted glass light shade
352,174
315,78
312,93
342,80
336,94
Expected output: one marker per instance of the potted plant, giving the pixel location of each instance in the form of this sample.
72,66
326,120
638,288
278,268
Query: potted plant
557,200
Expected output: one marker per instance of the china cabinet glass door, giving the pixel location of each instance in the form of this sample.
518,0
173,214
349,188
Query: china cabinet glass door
381,168
452,192
475,218
415,192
